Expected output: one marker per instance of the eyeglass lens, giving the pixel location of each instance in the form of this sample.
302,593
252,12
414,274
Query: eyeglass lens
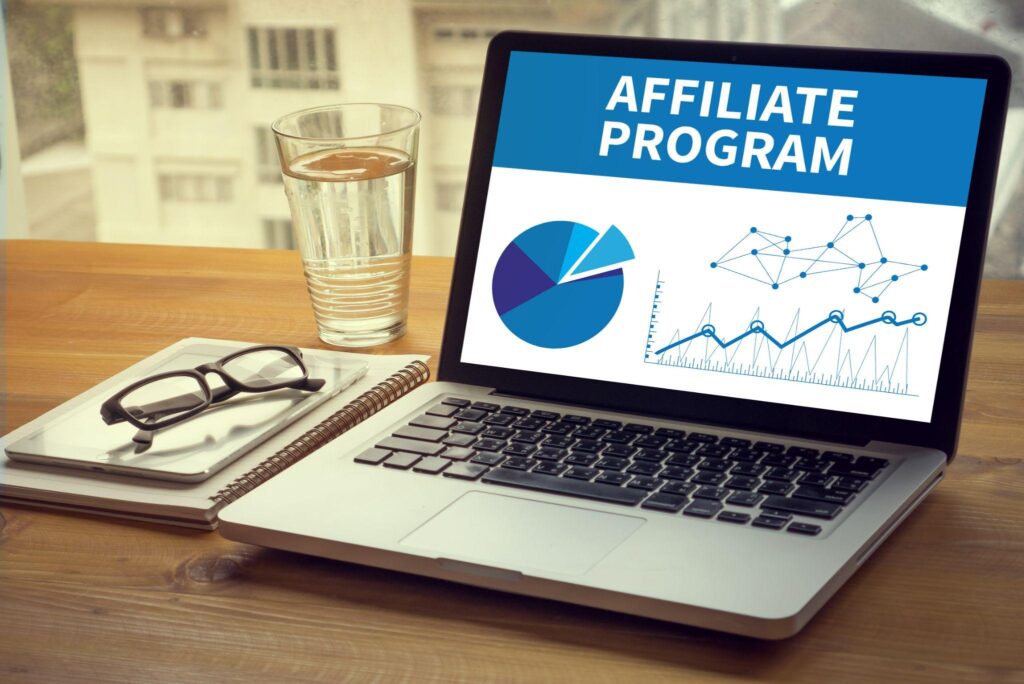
164,398
264,368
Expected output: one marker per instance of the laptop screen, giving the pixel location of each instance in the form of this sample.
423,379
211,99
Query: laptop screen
778,234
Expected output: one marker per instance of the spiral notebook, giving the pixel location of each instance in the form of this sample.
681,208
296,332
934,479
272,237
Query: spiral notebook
196,504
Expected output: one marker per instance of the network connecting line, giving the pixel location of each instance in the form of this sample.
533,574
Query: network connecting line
775,260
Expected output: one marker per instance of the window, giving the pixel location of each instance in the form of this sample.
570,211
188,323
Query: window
185,95
456,100
449,195
465,33
268,168
172,22
277,233
302,58
183,187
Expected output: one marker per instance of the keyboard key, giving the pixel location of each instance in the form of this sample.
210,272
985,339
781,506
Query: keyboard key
712,450
837,456
638,428
702,437
519,463
713,493
455,401
715,464
850,484
709,477
671,433
743,482
802,452
646,483
679,488
485,406
515,410
871,462
610,477
782,474
644,468
779,460
411,446
778,488
679,446
431,465
443,410
576,420
652,455
746,455
607,424
487,458
618,451
703,508
545,415
676,473
665,502
401,461
581,458
496,432
530,423
429,421
651,442
500,419
683,460
582,473
561,485
471,414
811,465
373,456
821,494
816,479
557,429
769,521
812,509
853,470
620,437
469,428
734,517
454,453
421,434
612,463
549,468
748,499
488,444
466,471
527,437
587,445
519,449
589,432
804,528
550,454
769,446
558,442
735,442
750,469
460,440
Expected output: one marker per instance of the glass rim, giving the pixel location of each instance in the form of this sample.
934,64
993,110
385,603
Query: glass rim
275,126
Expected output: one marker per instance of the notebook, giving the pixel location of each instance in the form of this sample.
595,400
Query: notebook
196,504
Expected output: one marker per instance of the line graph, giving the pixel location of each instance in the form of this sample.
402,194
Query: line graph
870,355
776,260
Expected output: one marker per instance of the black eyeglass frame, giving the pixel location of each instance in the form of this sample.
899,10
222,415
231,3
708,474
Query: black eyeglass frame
112,412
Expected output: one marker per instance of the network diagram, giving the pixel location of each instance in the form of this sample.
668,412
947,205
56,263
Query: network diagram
775,260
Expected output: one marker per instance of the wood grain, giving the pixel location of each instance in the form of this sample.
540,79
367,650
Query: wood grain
84,598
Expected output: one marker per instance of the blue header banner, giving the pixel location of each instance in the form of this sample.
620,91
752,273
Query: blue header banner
853,134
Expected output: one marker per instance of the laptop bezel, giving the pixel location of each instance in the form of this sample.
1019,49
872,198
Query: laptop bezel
943,430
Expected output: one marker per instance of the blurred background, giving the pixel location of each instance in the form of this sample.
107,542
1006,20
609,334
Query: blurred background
147,121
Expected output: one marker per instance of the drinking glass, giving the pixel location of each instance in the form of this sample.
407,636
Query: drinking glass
350,177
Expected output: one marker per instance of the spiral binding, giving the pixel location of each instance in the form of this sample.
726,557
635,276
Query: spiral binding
359,409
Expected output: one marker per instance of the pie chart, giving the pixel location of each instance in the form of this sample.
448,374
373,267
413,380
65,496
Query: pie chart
556,285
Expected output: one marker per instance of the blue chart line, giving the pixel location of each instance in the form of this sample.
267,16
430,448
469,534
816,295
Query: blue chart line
871,355
775,260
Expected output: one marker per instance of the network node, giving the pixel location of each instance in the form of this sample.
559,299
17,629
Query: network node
867,217
861,265
924,267
803,274
786,252
714,264
754,252
831,245
874,299
895,278
883,260
788,238
856,290
849,217
775,286
753,230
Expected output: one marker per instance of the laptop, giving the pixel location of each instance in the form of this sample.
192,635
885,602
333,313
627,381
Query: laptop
708,333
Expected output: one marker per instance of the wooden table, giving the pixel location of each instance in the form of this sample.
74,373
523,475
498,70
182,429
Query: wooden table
91,598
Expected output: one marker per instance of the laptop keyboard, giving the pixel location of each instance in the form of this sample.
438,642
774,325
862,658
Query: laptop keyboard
763,484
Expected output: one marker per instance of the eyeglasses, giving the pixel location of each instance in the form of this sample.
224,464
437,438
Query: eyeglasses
166,399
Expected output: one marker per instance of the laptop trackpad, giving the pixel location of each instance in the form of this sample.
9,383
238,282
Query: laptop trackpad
508,532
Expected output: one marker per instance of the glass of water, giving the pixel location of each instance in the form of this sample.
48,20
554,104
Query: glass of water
350,176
